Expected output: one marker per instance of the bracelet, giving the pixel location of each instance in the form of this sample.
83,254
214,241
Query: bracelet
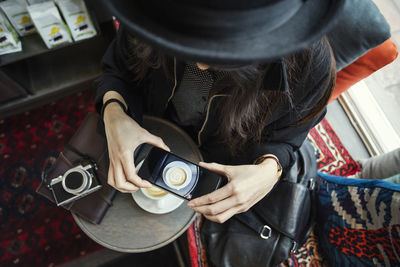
111,101
270,156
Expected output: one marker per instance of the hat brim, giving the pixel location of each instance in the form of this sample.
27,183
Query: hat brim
314,19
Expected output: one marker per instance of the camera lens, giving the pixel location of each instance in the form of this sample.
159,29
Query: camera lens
74,180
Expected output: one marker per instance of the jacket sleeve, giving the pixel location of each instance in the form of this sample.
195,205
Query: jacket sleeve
285,135
283,141
117,77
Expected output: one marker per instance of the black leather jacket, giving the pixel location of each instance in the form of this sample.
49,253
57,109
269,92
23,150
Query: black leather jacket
281,135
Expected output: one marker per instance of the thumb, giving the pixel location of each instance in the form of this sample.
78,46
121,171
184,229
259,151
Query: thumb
218,168
157,141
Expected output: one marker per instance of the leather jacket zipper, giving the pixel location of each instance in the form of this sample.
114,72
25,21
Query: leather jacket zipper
206,119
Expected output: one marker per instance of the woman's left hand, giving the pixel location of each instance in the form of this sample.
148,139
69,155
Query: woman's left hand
247,184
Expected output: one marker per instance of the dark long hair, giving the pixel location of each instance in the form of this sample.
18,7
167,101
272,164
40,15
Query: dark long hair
247,109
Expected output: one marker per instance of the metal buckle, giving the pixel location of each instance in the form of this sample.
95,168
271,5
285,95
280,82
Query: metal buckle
294,247
311,184
268,235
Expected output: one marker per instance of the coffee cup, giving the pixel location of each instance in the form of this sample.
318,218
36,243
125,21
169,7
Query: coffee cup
177,175
156,194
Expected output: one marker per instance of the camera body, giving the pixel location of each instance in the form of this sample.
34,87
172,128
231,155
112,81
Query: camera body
74,184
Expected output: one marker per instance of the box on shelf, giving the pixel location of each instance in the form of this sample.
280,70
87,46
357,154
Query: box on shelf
49,24
17,13
77,17
32,2
9,41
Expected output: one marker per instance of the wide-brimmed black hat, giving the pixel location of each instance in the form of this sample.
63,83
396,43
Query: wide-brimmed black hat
227,31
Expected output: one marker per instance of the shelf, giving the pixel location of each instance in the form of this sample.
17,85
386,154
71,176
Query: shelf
37,75
10,90
50,76
44,96
60,69
33,45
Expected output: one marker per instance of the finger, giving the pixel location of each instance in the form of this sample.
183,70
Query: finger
156,141
110,177
125,191
130,171
218,168
218,207
222,217
254,201
120,180
213,197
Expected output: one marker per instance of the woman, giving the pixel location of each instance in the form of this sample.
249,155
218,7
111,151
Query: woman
246,79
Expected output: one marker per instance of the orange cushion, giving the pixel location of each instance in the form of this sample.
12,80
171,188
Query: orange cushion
364,66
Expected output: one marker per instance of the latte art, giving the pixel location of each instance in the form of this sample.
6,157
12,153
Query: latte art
155,191
176,176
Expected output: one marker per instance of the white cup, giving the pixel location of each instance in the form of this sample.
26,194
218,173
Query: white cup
156,194
177,175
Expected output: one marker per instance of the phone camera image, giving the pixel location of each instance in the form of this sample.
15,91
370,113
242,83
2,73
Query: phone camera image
178,176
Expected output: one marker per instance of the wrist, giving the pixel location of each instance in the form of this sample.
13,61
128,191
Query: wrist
270,161
111,111
112,99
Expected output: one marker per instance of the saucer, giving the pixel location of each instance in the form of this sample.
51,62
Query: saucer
168,204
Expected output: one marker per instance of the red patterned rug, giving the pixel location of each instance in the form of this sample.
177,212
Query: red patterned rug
332,158
33,231
36,233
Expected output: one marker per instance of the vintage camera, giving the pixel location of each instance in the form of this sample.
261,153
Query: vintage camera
75,183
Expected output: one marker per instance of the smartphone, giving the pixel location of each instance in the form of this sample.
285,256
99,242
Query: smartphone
177,175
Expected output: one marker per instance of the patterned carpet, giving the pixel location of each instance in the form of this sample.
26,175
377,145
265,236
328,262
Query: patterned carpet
36,233
332,158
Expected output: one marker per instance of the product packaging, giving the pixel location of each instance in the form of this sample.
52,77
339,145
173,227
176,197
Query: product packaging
49,24
32,2
17,13
77,18
9,41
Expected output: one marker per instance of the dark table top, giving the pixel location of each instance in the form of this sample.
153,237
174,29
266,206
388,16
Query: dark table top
128,228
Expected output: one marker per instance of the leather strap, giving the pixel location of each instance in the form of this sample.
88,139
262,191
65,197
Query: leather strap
252,221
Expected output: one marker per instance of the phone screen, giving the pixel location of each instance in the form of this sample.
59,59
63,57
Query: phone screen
178,176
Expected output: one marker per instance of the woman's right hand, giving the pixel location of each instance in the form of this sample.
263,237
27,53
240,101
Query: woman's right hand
124,135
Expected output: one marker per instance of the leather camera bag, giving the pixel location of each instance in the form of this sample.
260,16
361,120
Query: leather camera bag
278,224
88,143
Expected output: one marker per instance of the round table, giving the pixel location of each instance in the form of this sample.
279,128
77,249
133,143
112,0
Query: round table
128,228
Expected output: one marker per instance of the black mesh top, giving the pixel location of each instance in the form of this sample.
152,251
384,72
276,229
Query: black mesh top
191,97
